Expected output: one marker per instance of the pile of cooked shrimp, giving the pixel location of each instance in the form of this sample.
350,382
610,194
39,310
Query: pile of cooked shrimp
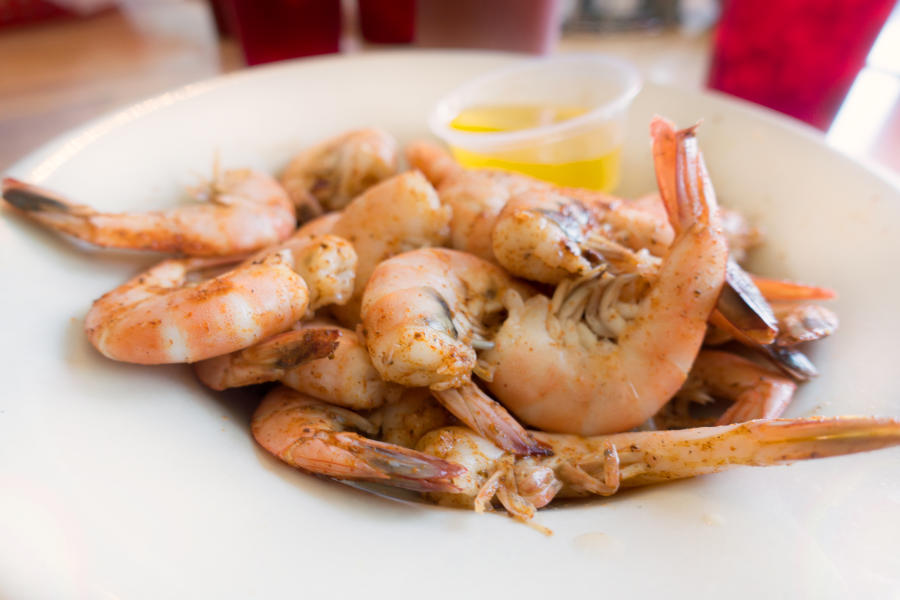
479,336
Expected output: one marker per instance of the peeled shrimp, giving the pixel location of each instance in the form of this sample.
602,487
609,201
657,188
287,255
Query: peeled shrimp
317,358
311,435
246,210
424,314
608,352
601,465
329,175
397,215
161,317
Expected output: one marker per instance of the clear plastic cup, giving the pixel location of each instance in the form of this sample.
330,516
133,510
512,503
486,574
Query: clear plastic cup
573,108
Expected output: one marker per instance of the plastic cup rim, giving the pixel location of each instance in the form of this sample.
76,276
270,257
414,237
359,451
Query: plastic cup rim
440,117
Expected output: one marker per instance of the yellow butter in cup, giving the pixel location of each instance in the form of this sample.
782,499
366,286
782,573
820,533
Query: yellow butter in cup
559,119
552,162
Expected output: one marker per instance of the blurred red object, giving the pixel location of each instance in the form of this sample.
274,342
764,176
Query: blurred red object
387,21
270,30
20,12
799,57
516,25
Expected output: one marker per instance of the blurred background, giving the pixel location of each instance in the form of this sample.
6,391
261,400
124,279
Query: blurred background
834,64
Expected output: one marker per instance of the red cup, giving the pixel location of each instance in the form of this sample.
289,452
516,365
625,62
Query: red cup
270,30
387,21
799,57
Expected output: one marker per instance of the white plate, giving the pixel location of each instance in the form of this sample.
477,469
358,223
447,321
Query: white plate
119,481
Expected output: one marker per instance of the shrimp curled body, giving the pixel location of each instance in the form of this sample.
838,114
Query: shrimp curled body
155,318
160,317
559,368
424,314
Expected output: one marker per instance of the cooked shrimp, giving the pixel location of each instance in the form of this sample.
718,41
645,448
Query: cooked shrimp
330,174
603,355
742,311
327,263
158,317
404,420
346,378
269,360
643,223
549,235
745,314
555,233
317,358
161,317
552,233
476,195
400,214
755,391
311,435
798,320
478,198
796,323
519,483
601,465
424,314
246,210
799,323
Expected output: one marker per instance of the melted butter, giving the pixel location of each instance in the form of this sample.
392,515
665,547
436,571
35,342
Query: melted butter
585,159
512,117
